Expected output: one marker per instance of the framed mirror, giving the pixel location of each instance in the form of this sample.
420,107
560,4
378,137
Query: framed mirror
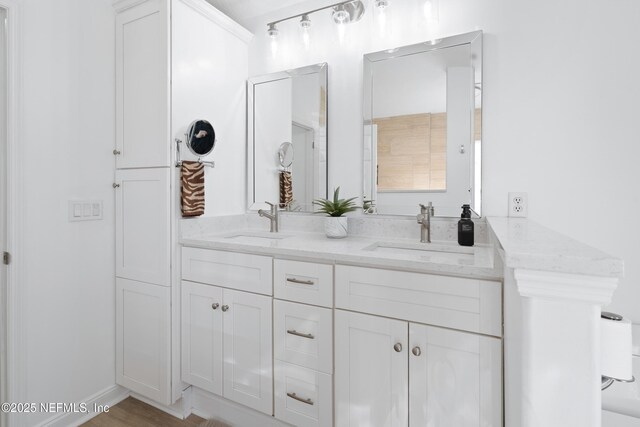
201,138
423,126
287,138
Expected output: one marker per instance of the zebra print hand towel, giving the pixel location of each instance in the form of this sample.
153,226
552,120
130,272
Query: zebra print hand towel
192,188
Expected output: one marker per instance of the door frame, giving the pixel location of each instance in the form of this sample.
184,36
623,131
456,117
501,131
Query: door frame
14,362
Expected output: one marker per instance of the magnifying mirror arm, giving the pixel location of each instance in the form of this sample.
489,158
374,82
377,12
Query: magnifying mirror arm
211,164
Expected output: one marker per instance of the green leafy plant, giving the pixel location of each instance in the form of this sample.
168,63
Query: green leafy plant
337,206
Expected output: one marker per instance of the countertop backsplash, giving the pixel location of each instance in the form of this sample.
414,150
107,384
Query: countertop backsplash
381,226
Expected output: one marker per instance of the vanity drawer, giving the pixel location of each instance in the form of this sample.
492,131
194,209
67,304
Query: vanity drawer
302,396
305,282
458,303
252,273
303,335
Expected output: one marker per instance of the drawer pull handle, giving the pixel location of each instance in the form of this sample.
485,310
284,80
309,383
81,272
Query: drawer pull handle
225,307
416,351
300,282
397,347
300,334
215,305
299,399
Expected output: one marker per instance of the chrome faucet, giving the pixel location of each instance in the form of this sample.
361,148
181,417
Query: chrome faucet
424,219
273,216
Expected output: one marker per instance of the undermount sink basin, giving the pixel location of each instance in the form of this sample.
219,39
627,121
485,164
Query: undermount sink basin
255,237
424,250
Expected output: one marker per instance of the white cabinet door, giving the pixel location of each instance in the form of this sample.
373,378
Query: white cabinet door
371,383
143,225
202,336
143,341
248,374
454,378
142,86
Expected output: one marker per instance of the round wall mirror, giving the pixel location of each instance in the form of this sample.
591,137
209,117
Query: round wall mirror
285,153
201,138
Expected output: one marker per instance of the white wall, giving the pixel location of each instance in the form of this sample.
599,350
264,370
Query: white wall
561,107
68,135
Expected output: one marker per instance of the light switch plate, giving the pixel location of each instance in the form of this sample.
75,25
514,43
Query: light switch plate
85,210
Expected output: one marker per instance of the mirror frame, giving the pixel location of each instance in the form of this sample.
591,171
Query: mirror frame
322,70
474,40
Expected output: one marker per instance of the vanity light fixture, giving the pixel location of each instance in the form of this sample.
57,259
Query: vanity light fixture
272,30
340,15
382,4
305,24
344,12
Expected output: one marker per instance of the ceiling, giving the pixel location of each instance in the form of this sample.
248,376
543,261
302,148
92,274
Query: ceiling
244,11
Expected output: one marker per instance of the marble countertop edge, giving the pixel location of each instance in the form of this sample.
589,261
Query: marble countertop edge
529,245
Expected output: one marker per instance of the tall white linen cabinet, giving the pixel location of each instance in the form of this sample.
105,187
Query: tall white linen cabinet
176,61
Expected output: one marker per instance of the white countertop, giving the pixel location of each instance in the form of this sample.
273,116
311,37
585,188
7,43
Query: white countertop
531,246
478,263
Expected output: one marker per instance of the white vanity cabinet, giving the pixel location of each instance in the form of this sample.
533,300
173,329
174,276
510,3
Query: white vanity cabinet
396,373
303,342
226,333
226,344
430,361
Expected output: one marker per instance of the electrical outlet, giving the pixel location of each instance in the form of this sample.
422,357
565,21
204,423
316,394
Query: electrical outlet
518,205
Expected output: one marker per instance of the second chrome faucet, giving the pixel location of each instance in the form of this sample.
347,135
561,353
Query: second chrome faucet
424,219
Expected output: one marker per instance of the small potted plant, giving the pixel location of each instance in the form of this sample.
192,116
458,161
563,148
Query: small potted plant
335,225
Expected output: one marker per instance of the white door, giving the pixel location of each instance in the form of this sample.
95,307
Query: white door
143,339
142,86
248,374
371,383
143,225
454,378
202,336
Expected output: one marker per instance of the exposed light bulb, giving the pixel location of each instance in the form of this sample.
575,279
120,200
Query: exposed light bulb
305,22
340,15
305,38
382,4
431,10
342,28
272,30
274,47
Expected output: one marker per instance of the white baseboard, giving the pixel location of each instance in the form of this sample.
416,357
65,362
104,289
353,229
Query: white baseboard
210,406
107,397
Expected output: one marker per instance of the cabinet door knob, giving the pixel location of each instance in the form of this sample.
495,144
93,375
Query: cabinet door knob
225,307
116,152
398,347
416,351
215,305
116,185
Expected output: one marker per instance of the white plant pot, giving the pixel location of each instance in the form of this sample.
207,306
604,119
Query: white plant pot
335,227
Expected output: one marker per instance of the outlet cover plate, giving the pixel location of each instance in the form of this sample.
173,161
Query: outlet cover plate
518,205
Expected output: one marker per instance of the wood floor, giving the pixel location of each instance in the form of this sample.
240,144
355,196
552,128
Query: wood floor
134,413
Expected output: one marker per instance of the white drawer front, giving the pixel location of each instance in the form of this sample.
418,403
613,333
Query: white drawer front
303,335
302,396
466,304
305,282
252,273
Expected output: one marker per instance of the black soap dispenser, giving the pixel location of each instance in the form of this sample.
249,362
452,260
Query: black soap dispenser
465,227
